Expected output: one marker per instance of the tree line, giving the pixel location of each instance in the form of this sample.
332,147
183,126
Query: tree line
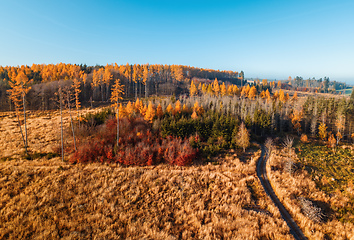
95,82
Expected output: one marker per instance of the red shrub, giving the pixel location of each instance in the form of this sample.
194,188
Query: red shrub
137,146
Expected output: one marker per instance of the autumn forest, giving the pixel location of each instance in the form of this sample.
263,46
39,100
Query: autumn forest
192,136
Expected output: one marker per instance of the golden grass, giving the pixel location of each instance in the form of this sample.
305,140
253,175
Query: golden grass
43,130
289,187
51,199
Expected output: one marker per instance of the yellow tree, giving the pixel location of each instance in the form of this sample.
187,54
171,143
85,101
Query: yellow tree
178,107
129,109
243,137
296,117
210,90
19,89
236,90
230,89
150,113
281,96
116,94
193,89
252,92
267,94
262,94
198,109
216,87
223,90
169,108
204,89
194,115
322,131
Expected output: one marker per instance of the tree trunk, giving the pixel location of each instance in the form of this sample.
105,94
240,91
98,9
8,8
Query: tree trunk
72,124
146,89
117,125
19,125
61,125
24,115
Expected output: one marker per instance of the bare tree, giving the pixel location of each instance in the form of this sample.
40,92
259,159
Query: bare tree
310,210
288,142
269,144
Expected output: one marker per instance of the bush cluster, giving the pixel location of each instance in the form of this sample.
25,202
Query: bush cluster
138,145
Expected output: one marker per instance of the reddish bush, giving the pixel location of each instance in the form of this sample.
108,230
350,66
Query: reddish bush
137,146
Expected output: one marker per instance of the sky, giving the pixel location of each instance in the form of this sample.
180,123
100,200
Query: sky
271,39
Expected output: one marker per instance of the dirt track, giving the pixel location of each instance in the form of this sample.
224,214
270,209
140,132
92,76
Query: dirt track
262,175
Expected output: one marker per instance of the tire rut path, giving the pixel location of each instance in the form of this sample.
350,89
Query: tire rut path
262,175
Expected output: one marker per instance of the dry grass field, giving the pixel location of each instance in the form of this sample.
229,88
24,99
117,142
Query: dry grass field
51,199
292,186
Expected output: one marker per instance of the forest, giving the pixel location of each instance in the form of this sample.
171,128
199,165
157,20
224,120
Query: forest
95,83
142,117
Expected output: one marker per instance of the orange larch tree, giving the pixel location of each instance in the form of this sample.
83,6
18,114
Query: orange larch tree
117,92
193,90
150,113
19,88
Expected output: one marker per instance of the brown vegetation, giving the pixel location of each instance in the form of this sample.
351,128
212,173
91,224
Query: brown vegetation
51,199
310,207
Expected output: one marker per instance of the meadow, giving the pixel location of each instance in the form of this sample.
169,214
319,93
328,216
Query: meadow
50,199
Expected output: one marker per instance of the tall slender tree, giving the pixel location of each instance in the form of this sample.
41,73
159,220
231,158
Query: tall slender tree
19,88
116,94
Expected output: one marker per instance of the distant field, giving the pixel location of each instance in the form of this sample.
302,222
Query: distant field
347,91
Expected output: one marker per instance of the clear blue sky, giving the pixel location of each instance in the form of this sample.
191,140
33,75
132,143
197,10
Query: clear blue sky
265,39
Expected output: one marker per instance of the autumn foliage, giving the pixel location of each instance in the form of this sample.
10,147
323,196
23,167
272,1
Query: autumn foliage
138,145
